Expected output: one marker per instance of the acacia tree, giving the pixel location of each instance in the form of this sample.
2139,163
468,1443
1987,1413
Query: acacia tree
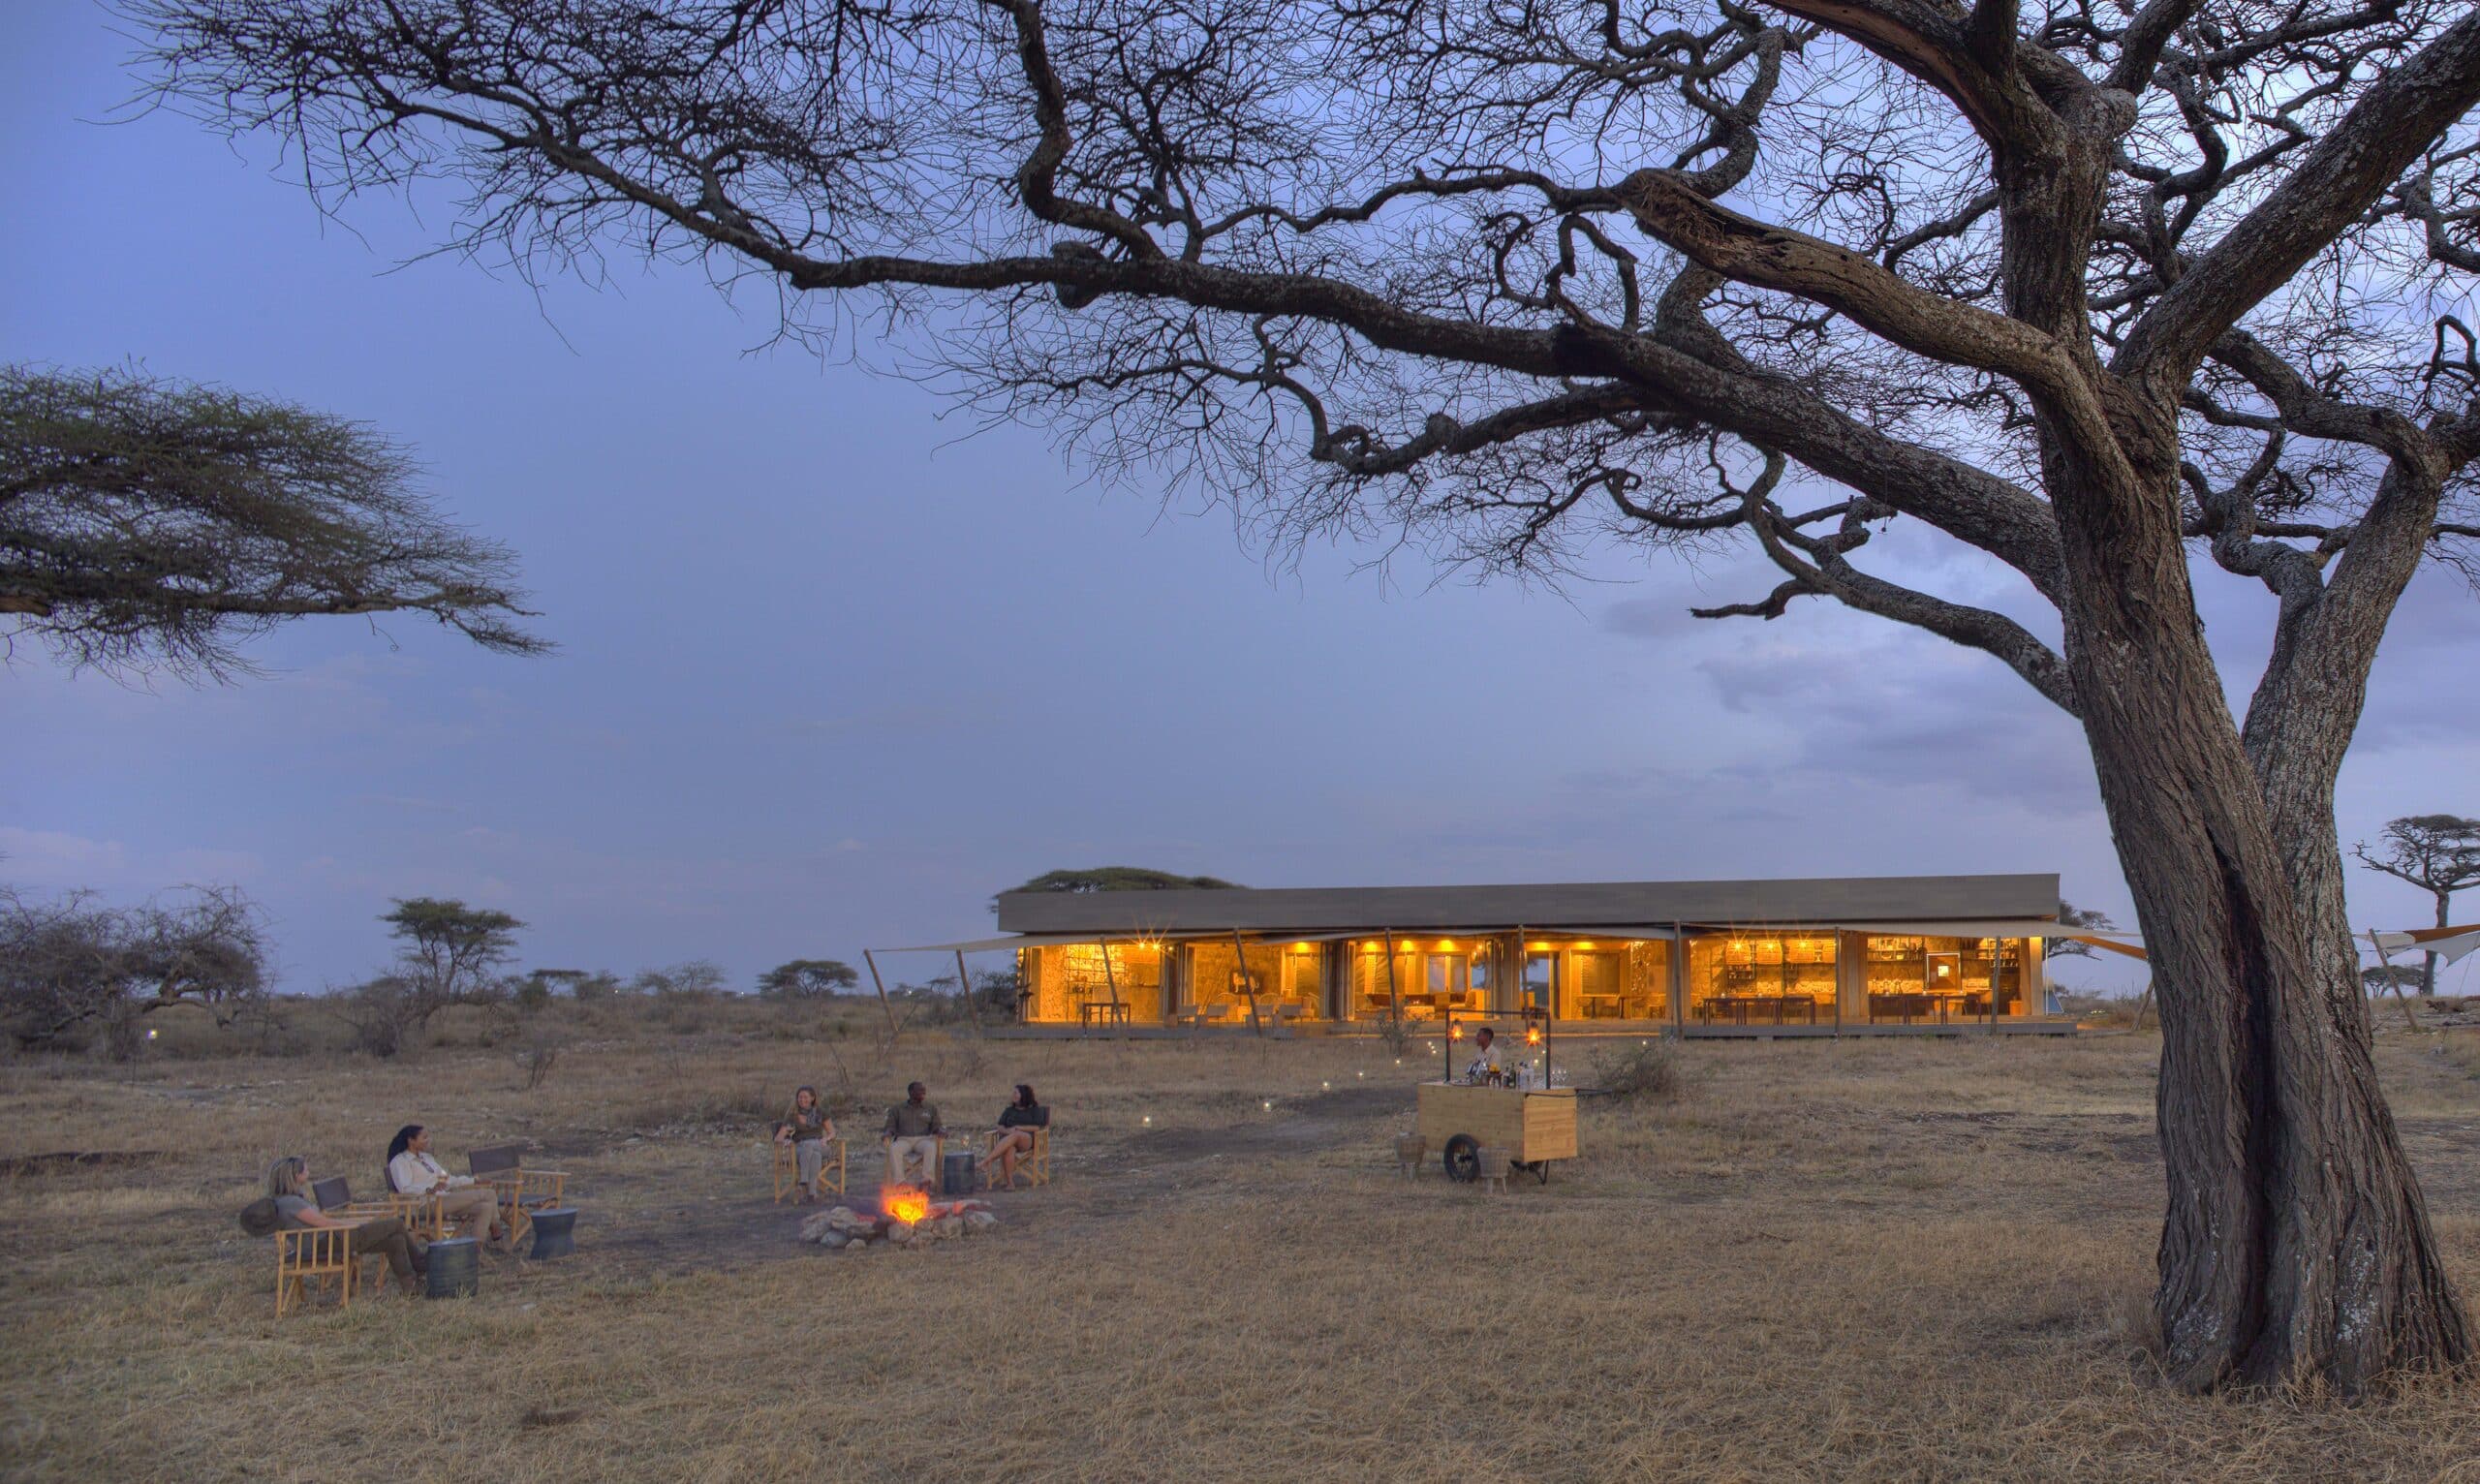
146,522
71,963
1121,878
2437,853
446,953
2095,293
2071,915
808,978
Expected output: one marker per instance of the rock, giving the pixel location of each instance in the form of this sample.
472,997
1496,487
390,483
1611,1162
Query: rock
833,1238
856,1245
899,1231
817,1226
951,1227
980,1220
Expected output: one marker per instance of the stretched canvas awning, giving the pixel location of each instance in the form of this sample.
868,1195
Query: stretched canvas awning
1024,941
2450,944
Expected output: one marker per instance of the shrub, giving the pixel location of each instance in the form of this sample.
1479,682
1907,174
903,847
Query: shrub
74,971
379,1012
1651,1069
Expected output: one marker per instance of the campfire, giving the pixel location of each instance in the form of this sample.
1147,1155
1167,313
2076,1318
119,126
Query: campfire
905,1216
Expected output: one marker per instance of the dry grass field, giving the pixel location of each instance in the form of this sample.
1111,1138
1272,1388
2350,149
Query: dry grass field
1864,1260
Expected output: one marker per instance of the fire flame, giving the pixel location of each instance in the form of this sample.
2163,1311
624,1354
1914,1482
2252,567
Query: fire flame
905,1204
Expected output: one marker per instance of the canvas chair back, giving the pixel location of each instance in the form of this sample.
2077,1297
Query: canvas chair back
495,1161
331,1193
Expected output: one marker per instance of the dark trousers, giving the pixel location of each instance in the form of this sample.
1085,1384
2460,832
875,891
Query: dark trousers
386,1235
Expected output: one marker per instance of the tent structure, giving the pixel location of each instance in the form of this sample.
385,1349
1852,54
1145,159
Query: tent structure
2449,944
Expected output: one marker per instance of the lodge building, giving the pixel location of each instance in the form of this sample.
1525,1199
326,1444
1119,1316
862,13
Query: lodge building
1857,955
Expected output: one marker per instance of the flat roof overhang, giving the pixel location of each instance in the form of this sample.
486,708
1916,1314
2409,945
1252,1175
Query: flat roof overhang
1550,907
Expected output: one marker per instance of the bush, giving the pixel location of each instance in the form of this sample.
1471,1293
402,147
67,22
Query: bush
379,1012
1651,1069
74,971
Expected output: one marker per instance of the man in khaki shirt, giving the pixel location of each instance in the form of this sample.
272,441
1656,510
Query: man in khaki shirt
912,1132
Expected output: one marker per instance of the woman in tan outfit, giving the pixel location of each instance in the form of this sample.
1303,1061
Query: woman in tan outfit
412,1171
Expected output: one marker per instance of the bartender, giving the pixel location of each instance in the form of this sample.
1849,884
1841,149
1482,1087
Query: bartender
1486,1061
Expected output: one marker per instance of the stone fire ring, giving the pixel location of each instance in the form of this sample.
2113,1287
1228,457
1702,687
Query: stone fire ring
845,1228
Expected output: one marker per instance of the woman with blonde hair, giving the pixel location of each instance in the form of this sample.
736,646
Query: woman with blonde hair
287,1181
807,1128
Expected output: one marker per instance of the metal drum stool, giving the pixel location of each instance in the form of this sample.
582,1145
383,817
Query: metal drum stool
455,1268
554,1233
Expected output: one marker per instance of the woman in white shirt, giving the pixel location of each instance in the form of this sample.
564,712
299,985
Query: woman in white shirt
412,1171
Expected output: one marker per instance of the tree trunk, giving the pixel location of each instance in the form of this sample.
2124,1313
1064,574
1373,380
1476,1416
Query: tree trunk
2296,1242
2429,970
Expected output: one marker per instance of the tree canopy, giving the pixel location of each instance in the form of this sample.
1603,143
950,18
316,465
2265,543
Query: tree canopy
1121,878
2101,300
808,978
2071,915
73,962
146,522
448,953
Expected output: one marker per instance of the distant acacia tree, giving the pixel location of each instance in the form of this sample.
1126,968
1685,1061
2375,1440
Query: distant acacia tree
1121,878
2071,915
447,953
2083,292
695,979
535,990
73,962
146,522
808,978
2437,853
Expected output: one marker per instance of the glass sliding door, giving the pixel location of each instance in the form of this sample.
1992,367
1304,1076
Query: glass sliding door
1540,979
1303,991
1601,985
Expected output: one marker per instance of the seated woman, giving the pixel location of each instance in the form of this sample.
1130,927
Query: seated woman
806,1129
412,1171
289,1185
1014,1135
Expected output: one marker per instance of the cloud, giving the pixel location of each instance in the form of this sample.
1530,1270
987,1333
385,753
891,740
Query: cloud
417,805
1651,618
1895,709
49,858
879,720
53,858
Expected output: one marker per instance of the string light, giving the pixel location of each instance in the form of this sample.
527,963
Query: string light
1269,1106
1148,1120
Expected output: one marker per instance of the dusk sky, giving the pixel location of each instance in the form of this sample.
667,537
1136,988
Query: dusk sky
832,670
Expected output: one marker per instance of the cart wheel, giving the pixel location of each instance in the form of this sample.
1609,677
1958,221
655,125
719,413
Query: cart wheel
1463,1159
